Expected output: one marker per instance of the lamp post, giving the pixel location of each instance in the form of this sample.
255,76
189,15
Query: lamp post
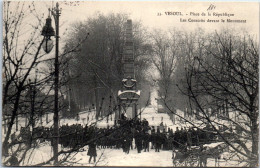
47,32
32,91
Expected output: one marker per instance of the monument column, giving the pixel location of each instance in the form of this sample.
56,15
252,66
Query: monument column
129,94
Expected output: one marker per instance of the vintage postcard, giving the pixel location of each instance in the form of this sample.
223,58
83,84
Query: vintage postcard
130,83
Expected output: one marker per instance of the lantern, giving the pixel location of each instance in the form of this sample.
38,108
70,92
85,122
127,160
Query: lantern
47,45
47,32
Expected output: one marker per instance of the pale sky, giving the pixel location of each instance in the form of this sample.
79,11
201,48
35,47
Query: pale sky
147,13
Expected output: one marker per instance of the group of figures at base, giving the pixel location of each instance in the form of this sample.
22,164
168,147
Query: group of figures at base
127,135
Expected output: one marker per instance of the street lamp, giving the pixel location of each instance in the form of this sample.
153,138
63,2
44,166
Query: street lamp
47,32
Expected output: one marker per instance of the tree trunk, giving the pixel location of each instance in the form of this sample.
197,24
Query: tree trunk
4,123
96,97
254,155
10,124
16,123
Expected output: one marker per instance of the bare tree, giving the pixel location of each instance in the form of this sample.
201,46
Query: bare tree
165,51
21,54
27,84
222,83
96,69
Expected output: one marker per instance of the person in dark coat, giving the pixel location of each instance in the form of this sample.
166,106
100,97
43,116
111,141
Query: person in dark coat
146,142
164,140
92,151
127,142
138,141
157,140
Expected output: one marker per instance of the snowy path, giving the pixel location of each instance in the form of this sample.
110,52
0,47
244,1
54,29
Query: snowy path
105,157
116,157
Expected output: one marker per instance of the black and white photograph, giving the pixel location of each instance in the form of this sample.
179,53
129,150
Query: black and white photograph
130,84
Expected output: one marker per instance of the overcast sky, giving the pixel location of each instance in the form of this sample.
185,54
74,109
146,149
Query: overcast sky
147,13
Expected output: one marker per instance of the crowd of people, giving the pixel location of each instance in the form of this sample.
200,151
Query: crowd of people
127,135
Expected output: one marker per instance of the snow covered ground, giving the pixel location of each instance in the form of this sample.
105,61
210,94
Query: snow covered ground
105,157
116,157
